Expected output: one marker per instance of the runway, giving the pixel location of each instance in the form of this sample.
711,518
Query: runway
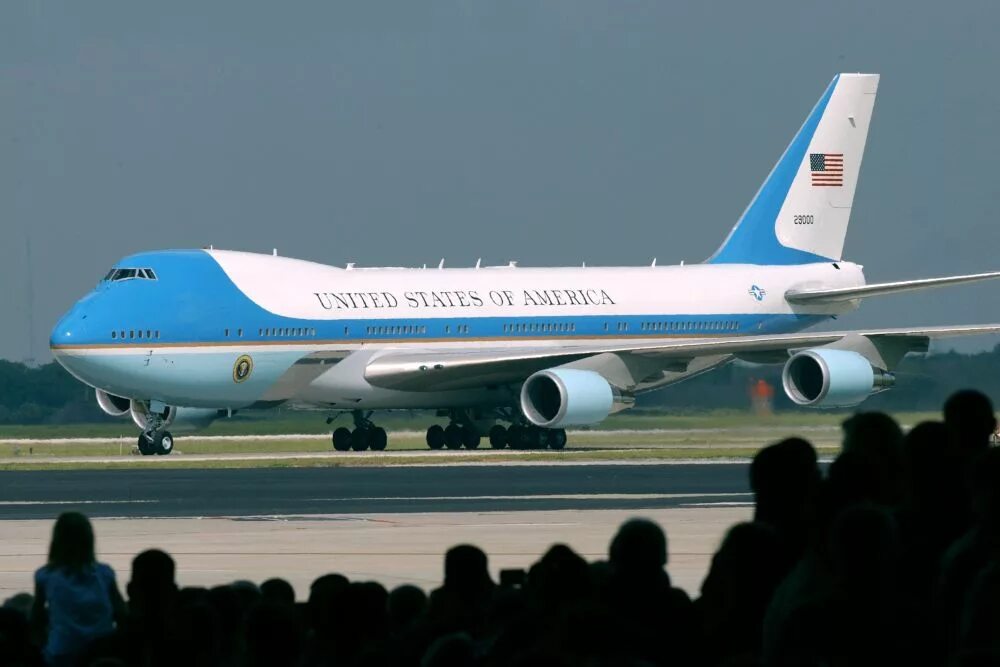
389,524
354,490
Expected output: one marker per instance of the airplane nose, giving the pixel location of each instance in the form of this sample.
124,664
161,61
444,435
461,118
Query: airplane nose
70,330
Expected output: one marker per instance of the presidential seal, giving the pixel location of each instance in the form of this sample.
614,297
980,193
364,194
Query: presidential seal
242,368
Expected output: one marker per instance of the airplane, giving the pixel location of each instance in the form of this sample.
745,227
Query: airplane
178,338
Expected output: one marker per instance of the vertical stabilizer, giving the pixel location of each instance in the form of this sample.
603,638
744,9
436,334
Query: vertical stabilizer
800,213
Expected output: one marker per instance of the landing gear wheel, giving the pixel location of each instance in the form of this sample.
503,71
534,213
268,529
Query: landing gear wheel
341,439
435,437
379,439
453,436
163,443
519,437
498,437
361,439
557,438
470,438
537,438
145,446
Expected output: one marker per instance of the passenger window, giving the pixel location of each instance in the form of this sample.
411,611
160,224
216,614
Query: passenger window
114,334
227,333
131,333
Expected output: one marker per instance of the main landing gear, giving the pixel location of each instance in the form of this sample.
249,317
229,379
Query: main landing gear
365,435
525,436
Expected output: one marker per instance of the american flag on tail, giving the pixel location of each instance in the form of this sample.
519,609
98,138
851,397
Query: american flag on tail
827,169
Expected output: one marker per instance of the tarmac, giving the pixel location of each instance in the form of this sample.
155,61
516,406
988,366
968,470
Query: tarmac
390,524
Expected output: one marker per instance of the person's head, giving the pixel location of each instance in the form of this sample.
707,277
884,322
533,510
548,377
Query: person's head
406,603
466,569
152,582
969,418
72,543
638,548
873,434
783,478
278,590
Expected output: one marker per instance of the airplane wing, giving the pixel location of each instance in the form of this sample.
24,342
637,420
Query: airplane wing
434,370
878,289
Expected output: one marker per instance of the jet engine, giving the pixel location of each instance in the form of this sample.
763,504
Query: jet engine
561,397
179,419
826,378
112,405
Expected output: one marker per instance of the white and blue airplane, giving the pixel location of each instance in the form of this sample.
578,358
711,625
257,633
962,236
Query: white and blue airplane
181,337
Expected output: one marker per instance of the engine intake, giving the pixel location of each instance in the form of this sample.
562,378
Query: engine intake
832,378
566,397
112,405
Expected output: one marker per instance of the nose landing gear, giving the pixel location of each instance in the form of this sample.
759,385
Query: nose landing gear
160,443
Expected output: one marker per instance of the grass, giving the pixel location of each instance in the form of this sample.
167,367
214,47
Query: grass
372,459
315,423
627,436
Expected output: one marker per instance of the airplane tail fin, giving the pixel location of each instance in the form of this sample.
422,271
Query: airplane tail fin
800,213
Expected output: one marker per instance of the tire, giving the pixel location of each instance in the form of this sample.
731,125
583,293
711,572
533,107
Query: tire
379,439
470,438
519,437
556,438
145,446
163,443
341,439
361,439
537,438
498,437
453,436
435,437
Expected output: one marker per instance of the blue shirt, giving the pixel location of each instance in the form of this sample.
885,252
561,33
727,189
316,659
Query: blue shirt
79,608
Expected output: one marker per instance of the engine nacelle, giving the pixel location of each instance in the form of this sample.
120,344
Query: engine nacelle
112,405
179,419
561,397
826,378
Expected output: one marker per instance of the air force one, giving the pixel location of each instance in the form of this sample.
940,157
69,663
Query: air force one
181,337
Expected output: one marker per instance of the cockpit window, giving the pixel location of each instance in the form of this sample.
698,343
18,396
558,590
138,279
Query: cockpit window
115,275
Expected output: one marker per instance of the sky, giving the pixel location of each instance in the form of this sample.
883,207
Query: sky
549,132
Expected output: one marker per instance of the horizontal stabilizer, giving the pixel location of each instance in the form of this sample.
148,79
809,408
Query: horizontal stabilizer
879,289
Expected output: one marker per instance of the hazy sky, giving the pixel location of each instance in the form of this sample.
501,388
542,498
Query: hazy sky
548,132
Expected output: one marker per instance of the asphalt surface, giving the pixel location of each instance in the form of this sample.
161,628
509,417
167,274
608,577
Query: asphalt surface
260,492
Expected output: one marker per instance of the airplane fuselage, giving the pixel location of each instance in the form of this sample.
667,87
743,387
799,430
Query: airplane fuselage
229,330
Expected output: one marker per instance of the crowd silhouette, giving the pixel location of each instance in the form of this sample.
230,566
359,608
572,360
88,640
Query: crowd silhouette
888,556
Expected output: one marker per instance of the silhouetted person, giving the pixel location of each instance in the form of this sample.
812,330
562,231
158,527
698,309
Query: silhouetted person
16,649
656,621
859,619
278,590
979,547
406,604
326,613
76,598
461,603
784,478
744,573
875,440
273,637
969,417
